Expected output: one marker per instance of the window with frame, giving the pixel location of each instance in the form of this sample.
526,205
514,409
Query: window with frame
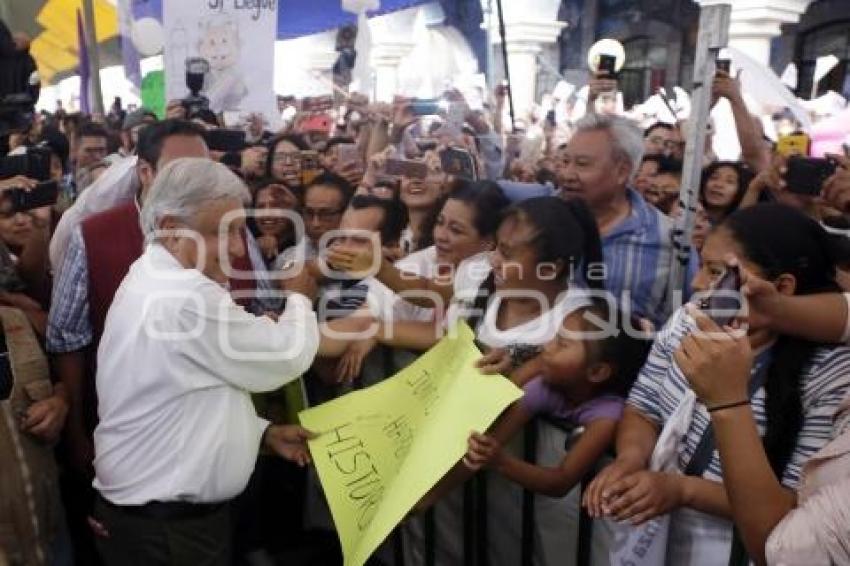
831,39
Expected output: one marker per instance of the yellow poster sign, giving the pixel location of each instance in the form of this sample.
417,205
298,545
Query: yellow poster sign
379,450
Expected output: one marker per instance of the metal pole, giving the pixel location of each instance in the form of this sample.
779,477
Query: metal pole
94,58
713,36
488,53
507,66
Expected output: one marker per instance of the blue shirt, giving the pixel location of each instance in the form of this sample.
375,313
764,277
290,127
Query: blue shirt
637,255
68,324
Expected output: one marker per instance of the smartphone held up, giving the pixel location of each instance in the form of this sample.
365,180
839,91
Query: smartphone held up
723,302
806,175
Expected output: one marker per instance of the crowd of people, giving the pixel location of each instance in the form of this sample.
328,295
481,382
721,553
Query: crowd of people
159,340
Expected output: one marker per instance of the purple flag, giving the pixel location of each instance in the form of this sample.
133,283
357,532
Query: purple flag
84,67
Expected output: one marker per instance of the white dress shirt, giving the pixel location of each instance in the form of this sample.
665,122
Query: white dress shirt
177,364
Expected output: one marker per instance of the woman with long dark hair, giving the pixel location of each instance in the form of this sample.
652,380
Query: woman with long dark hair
273,231
723,186
794,387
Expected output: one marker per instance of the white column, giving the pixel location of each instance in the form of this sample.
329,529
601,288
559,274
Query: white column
303,66
319,59
392,39
529,26
755,23
386,58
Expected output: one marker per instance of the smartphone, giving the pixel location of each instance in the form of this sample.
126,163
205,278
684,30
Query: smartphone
311,166
724,65
806,175
310,160
317,103
459,163
425,107
406,168
21,200
456,116
724,300
348,153
607,66
796,144
226,140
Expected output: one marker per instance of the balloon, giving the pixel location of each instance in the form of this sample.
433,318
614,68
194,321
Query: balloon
148,36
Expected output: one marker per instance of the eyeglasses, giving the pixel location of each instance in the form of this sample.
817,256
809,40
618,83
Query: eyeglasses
323,214
288,158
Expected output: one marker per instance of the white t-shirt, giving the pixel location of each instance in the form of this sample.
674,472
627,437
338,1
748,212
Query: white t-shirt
537,331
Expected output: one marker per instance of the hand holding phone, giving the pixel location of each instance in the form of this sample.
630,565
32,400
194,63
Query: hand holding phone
723,302
459,163
806,175
406,168
348,153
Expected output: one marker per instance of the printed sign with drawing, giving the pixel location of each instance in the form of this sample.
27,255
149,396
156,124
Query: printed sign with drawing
379,450
236,39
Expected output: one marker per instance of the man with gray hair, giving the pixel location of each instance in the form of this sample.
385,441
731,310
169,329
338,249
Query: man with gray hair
599,164
178,435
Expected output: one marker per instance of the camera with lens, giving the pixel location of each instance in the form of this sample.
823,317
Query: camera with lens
196,72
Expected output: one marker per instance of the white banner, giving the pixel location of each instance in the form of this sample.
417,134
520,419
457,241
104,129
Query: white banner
236,37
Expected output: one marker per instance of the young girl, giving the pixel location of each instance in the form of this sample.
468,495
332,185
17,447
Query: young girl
545,256
586,374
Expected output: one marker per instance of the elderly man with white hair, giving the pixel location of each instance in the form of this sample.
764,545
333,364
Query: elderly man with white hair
598,165
178,435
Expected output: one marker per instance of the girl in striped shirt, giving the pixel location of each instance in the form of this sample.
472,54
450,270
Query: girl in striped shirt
795,387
